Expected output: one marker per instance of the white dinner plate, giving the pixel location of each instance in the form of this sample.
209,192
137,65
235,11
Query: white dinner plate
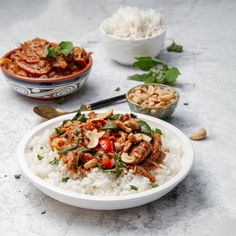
106,202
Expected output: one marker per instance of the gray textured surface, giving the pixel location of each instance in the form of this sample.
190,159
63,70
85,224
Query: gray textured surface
205,202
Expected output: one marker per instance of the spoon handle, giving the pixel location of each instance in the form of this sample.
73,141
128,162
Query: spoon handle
102,103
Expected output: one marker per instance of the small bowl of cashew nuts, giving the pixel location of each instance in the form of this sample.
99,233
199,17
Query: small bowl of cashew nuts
156,100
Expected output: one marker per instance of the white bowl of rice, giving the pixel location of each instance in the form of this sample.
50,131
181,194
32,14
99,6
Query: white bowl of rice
132,33
99,190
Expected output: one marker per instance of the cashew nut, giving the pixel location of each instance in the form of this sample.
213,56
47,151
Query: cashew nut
104,115
90,164
127,159
166,97
121,125
137,138
199,135
133,124
127,146
93,138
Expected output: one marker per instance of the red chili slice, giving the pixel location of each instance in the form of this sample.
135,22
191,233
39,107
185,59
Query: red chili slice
106,144
40,68
107,163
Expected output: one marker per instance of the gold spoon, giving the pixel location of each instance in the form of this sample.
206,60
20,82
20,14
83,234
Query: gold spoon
48,112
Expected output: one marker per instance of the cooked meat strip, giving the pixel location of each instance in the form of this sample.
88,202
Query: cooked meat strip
139,170
133,124
141,151
156,143
60,63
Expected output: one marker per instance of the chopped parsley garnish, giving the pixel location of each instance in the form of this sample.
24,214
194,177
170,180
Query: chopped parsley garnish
55,161
154,185
17,176
59,131
133,187
65,179
80,117
175,47
119,166
157,131
81,150
40,157
64,122
117,89
41,147
64,151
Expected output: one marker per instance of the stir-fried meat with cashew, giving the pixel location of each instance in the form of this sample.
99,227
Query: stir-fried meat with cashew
115,143
39,58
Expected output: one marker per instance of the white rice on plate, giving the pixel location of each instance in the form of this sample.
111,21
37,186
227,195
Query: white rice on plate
97,182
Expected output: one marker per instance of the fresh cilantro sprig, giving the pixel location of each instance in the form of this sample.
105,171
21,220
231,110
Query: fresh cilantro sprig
157,71
64,48
175,47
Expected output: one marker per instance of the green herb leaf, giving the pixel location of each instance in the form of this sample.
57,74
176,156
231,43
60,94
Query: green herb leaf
146,63
82,118
40,157
64,151
55,161
64,122
110,126
51,52
157,131
159,71
80,151
160,76
17,176
140,78
117,89
175,48
59,131
60,100
66,47
119,166
151,78
154,185
77,115
144,127
65,179
171,75
133,187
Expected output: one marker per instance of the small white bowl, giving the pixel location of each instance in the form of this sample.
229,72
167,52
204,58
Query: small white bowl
106,202
125,50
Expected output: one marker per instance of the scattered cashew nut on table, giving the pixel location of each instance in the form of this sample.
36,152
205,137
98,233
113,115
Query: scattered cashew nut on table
199,135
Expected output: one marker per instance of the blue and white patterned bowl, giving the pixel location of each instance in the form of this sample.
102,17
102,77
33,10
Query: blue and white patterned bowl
44,88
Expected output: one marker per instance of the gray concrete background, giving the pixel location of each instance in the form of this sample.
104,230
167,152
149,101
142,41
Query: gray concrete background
204,203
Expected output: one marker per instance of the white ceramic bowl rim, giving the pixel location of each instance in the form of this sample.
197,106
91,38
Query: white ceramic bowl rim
128,39
187,164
